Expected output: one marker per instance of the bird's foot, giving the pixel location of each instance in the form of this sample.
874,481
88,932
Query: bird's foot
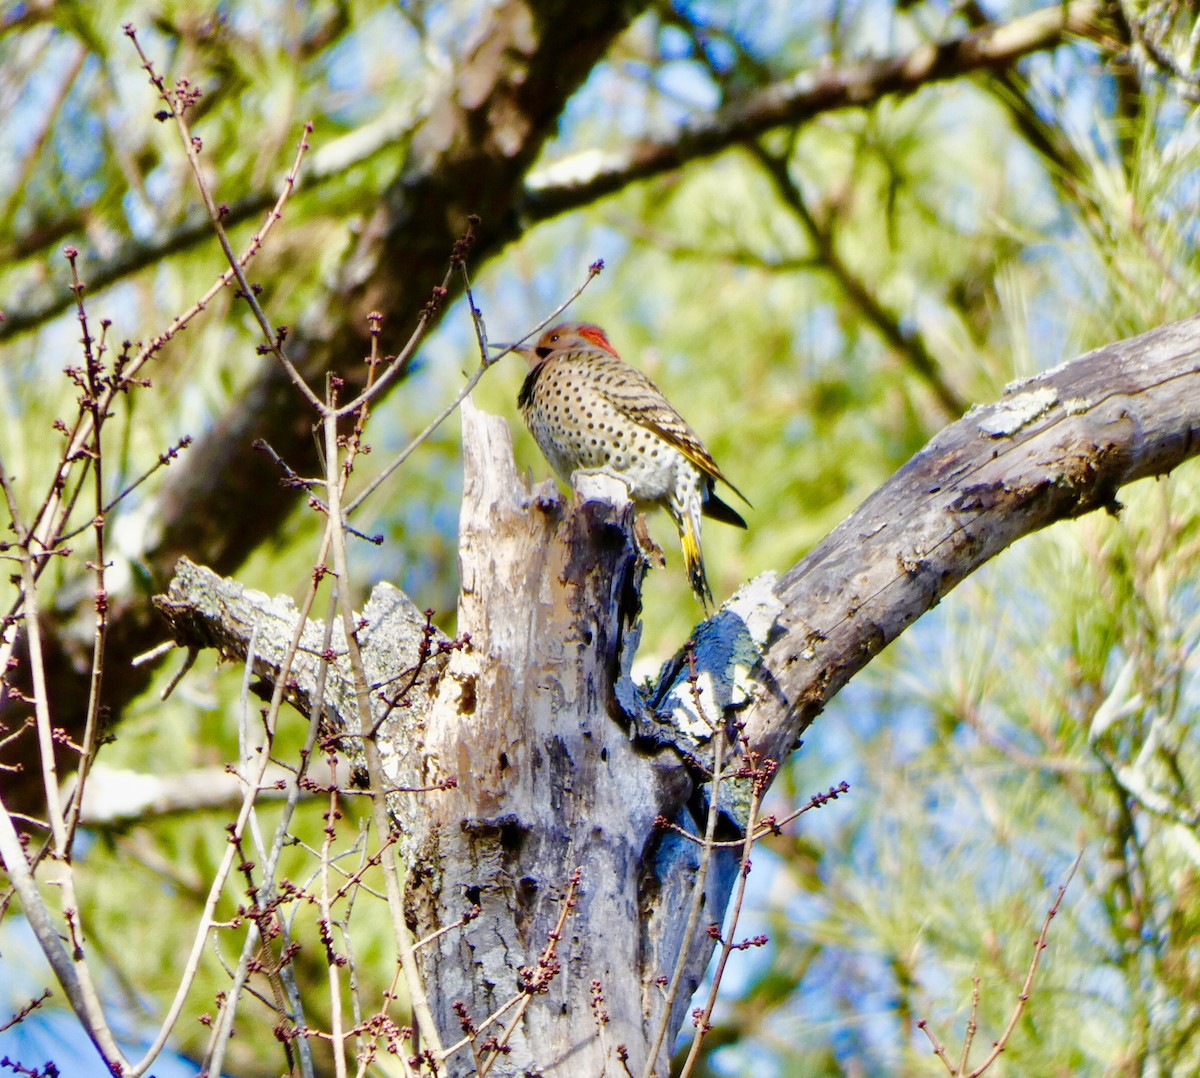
651,551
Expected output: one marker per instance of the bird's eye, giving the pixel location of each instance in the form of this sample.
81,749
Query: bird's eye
553,336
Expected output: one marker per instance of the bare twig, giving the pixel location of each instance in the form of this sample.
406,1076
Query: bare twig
972,1027
764,826
223,1027
178,101
1023,998
333,961
1001,1042
759,774
336,479
939,1049
48,522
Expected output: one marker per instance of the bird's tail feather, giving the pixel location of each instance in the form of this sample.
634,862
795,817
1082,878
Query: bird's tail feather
693,558
718,510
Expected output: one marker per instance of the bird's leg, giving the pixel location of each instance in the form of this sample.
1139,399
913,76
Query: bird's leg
652,552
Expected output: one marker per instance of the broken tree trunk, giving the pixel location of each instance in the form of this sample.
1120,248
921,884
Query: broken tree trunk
535,719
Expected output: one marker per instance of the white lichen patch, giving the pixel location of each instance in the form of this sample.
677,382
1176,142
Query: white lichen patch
1011,414
1076,405
728,647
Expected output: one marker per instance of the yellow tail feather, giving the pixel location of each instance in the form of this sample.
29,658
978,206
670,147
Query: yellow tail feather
693,558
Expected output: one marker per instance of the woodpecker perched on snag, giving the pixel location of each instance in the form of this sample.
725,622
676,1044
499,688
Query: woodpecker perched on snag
590,410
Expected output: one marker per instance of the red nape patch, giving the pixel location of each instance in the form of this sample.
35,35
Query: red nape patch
596,335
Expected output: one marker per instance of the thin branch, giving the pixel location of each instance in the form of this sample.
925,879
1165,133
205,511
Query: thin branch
1038,947
765,825
939,1049
223,1027
758,773
218,884
972,1028
95,377
704,1014
164,460
178,102
49,521
337,1035
909,344
1001,1042
572,183
308,486
336,479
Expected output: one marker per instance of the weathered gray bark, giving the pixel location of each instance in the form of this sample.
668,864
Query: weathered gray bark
559,767
562,764
1053,447
204,610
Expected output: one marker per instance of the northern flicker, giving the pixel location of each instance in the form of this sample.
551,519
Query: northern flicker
590,410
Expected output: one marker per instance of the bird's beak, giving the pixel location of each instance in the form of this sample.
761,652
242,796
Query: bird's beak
525,351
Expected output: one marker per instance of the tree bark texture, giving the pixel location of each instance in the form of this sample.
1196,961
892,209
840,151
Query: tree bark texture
1053,447
562,764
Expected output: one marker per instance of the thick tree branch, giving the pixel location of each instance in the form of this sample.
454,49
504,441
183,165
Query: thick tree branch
1053,447
204,610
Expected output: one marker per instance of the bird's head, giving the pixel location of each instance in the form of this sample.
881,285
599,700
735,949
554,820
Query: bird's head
565,337
568,336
